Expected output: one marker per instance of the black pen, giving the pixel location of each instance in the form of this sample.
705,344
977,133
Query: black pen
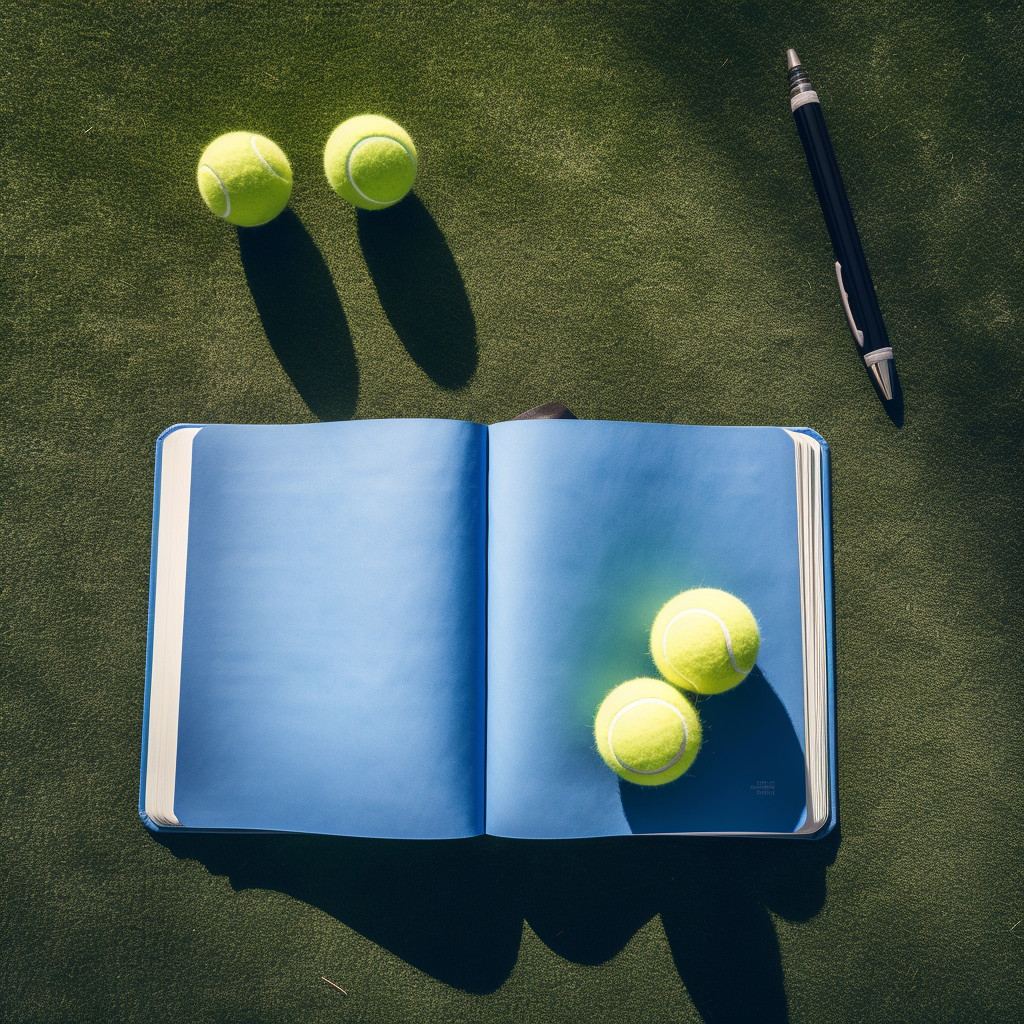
855,288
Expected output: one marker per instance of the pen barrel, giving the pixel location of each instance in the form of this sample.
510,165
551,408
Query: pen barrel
842,230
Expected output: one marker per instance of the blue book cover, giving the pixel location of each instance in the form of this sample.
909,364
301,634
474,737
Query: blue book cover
404,628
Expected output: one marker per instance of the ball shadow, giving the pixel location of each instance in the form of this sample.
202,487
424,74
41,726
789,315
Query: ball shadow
301,314
748,736
421,290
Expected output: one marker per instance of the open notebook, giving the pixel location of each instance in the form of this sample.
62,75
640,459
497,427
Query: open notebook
404,628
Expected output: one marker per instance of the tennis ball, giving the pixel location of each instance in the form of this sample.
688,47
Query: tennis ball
370,161
244,178
647,732
705,640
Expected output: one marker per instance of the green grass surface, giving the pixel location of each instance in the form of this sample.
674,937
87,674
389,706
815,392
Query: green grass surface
613,210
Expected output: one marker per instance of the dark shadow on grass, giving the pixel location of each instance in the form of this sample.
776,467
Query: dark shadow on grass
585,900
421,290
455,909
446,908
722,936
302,314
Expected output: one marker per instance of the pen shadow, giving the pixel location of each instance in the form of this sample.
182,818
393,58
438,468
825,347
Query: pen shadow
301,314
421,290
454,909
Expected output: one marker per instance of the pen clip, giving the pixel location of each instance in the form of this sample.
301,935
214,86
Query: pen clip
858,335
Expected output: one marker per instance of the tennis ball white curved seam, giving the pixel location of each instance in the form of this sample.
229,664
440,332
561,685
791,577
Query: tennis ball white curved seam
725,634
263,159
223,188
352,153
637,703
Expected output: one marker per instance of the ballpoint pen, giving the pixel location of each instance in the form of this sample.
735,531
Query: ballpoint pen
855,288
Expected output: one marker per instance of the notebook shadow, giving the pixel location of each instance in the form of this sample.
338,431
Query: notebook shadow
445,907
421,290
455,909
301,314
714,896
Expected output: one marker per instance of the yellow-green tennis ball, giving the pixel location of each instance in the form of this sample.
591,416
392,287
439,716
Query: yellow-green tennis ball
370,161
244,178
705,640
647,732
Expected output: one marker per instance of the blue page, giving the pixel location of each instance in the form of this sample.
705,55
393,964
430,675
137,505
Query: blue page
333,656
592,527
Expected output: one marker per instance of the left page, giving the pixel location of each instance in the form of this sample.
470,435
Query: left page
332,634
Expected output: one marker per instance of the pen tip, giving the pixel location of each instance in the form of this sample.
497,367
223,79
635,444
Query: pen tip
882,372
792,60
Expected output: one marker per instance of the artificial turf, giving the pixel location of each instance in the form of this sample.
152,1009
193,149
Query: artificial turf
613,211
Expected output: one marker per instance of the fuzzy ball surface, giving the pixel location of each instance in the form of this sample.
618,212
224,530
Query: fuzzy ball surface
244,178
705,640
647,732
370,161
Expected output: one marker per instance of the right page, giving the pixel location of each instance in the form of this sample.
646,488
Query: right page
592,527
